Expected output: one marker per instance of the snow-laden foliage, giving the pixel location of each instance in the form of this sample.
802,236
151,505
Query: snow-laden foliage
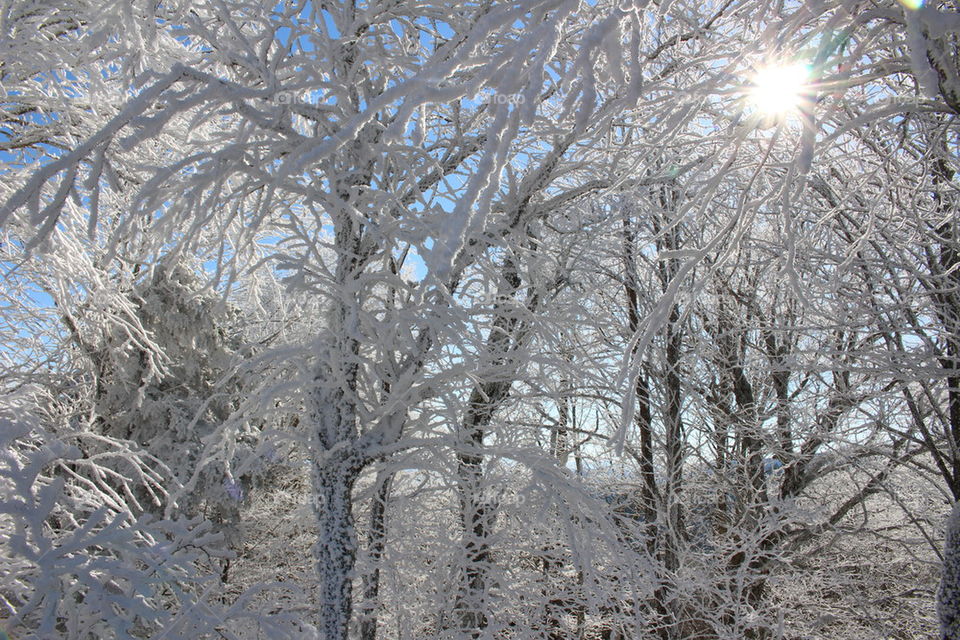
526,318
75,562
170,396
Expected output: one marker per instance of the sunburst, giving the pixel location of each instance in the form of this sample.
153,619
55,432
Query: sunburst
779,89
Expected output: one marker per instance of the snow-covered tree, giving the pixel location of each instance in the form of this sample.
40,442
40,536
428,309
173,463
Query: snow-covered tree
487,213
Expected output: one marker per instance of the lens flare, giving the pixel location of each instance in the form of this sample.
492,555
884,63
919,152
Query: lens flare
779,89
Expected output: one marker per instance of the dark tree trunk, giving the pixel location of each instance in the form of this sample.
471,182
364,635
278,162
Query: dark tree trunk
375,547
644,417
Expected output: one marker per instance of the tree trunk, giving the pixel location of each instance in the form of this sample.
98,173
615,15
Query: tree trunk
474,511
644,417
336,548
948,595
506,336
375,546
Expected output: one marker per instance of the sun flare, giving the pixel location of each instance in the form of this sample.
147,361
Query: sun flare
779,89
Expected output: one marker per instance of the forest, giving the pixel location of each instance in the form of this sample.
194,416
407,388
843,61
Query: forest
486,319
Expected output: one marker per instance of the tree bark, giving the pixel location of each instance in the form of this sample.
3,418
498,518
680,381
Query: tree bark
948,595
336,548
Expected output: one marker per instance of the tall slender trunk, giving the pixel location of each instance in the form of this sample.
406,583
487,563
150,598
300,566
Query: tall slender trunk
558,606
375,546
644,417
674,420
336,465
670,240
948,310
947,298
475,512
506,336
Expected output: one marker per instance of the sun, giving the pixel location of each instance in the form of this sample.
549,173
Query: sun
779,90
